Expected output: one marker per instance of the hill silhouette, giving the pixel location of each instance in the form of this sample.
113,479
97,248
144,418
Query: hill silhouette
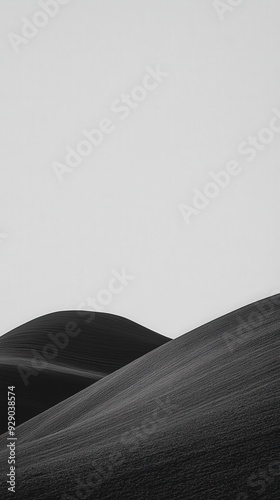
193,419
55,356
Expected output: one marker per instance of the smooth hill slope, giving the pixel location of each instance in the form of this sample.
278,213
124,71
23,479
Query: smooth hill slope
57,355
190,420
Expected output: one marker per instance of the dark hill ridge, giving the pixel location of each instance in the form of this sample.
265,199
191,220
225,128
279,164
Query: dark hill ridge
189,420
55,356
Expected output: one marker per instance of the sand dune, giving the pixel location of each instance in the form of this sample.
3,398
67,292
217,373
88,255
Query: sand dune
57,355
196,418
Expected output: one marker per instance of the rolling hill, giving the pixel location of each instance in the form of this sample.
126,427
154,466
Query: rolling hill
196,418
54,356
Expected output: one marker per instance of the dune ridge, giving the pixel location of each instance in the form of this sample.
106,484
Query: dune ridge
192,419
54,356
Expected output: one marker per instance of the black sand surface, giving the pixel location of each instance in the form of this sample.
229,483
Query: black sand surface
192,419
96,344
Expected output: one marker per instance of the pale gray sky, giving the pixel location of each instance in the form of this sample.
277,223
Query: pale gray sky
119,208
